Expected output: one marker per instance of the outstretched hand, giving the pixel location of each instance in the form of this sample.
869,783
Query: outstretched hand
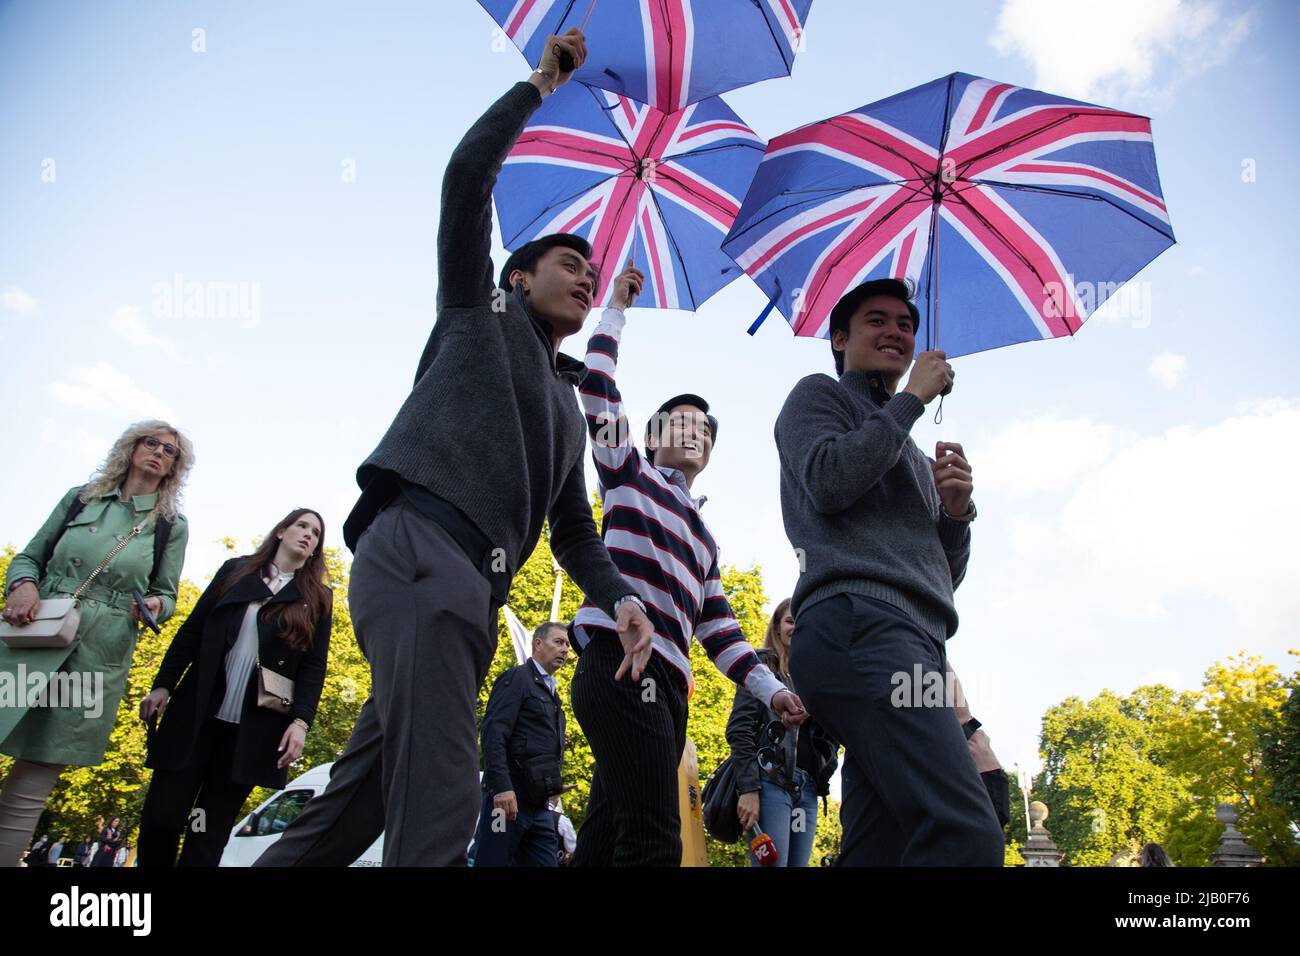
636,633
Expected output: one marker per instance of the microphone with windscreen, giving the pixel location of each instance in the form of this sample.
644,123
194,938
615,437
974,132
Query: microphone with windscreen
762,847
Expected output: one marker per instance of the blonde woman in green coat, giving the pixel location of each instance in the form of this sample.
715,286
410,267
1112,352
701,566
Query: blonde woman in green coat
139,483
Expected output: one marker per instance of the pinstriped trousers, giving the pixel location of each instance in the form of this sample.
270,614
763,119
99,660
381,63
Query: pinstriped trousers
637,731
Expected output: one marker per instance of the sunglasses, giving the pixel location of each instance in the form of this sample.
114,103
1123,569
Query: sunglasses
170,450
770,755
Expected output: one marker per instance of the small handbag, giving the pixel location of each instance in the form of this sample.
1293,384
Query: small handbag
719,799
274,691
56,621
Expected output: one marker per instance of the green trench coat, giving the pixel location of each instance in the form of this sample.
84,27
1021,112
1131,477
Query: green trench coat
97,662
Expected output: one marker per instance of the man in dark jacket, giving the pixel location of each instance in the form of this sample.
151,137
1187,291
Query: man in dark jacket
523,756
885,535
488,445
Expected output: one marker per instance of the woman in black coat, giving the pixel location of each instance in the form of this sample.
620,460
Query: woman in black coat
779,773
264,618
110,838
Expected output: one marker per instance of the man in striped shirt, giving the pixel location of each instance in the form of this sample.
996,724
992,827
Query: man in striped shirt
654,533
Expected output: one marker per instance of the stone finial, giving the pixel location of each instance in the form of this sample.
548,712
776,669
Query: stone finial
1039,849
1233,850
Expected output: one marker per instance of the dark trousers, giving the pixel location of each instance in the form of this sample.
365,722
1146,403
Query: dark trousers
426,621
911,794
637,732
530,839
200,801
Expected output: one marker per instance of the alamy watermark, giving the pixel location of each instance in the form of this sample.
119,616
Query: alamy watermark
182,299
77,690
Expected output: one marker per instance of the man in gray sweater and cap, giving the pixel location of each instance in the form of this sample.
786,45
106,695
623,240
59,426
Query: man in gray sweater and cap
885,536
488,445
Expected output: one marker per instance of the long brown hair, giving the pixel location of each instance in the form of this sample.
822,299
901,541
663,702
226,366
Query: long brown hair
774,643
297,620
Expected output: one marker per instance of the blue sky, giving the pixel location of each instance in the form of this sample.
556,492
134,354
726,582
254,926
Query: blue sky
1136,521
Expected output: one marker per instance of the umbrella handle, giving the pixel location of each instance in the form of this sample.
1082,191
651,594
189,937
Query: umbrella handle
566,59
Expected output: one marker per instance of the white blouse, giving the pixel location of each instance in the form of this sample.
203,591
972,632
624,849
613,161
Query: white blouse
242,656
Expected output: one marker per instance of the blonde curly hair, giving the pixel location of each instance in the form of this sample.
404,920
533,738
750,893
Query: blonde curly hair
113,470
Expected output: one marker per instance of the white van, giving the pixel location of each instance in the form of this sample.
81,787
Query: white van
253,834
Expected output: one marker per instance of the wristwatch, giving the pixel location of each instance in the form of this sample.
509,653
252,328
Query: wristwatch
968,516
13,587
635,600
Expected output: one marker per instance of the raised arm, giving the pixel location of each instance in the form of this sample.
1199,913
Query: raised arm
615,453
833,459
465,223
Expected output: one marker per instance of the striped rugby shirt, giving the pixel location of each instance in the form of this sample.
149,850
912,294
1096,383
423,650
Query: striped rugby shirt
654,532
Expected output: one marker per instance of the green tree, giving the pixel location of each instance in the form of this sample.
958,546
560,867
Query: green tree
1281,744
1218,749
1102,782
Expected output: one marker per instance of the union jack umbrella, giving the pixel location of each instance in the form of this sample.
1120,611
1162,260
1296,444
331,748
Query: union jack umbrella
661,189
1042,206
667,53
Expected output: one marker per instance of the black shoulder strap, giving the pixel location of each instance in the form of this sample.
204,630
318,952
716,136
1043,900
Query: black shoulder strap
73,510
162,532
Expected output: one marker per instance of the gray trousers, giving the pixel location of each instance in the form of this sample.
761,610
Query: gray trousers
425,620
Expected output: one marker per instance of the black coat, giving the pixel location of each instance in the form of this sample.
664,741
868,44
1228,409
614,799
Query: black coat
523,720
194,670
809,748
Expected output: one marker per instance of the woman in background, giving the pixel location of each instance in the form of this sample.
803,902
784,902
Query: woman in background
265,619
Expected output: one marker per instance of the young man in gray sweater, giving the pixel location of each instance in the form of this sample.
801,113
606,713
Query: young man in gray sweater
488,445
885,536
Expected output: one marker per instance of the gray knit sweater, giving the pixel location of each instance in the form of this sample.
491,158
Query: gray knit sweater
858,500
492,424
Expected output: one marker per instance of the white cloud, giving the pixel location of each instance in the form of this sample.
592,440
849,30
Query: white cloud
1165,522
131,325
1168,369
104,388
15,300
1043,453
1117,50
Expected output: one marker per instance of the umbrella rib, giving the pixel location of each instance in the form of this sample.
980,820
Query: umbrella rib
826,273
789,64
687,186
702,150
1047,190
1034,132
559,202
676,249
609,109
1014,250
818,195
867,139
